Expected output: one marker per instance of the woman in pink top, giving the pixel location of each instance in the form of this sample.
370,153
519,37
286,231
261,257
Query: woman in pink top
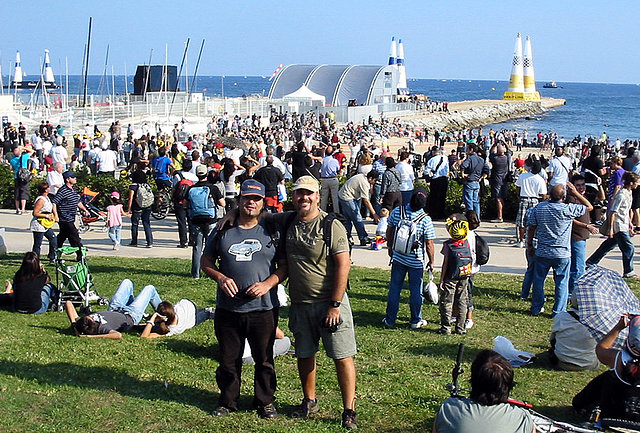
114,219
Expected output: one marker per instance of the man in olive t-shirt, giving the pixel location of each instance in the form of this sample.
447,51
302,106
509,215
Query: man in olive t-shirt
318,275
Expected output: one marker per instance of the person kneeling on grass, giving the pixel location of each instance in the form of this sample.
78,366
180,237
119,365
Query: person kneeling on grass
124,312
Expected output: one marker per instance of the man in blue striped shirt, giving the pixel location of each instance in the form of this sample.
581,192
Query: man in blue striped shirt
412,263
65,206
550,222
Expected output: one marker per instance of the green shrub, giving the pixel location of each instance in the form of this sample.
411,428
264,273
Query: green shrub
6,187
104,185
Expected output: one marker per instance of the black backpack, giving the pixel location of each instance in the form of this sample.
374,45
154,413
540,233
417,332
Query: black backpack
482,251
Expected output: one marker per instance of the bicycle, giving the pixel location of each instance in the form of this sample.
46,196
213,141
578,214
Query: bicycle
162,204
543,423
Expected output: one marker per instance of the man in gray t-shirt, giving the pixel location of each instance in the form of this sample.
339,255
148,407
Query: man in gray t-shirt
242,260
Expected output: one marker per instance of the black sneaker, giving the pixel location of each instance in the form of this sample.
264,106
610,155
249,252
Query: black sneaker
268,411
349,419
221,411
306,408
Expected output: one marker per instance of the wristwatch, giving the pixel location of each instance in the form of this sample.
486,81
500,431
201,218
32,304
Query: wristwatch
335,304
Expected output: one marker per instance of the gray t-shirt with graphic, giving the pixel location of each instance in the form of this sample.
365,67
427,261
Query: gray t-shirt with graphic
248,256
112,321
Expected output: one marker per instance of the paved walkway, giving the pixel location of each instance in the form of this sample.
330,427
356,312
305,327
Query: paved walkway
505,257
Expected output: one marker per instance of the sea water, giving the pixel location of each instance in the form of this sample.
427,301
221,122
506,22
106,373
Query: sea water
591,108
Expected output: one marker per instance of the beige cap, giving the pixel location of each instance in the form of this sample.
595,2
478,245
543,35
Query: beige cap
307,182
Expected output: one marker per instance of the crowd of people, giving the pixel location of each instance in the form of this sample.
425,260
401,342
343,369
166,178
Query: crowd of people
228,188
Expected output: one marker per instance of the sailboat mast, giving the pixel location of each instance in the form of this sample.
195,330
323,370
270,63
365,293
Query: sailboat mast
86,67
195,72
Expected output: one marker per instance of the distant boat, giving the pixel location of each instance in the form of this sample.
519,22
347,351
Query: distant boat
552,85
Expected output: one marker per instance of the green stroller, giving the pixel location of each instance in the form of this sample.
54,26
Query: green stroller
74,281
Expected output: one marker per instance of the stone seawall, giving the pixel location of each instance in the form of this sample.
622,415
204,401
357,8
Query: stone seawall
473,114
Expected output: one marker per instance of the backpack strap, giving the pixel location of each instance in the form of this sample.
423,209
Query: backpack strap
326,236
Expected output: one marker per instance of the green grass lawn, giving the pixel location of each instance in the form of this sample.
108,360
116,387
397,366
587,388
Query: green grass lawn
53,381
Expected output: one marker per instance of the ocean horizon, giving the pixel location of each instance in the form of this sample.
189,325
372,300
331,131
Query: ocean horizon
591,108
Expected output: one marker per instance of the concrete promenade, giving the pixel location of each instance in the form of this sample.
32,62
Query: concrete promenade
505,257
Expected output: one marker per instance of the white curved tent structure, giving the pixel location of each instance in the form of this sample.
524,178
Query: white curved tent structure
340,85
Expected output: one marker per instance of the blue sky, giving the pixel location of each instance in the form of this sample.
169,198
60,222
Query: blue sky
583,41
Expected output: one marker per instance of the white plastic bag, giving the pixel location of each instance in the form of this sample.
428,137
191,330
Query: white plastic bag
430,290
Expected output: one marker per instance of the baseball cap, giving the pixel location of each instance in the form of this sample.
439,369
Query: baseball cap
252,187
115,194
201,170
633,339
306,182
67,174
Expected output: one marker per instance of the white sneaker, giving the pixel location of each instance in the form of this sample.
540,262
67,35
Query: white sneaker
422,323
520,244
468,324
631,274
211,312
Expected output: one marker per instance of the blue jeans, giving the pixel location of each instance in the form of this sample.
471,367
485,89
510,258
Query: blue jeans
561,278
376,199
578,255
528,276
53,243
114,234
199,234
398,272
351,211
48,292
471,196
623,241
124,301
145,216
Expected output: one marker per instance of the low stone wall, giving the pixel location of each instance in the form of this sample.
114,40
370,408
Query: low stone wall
473,114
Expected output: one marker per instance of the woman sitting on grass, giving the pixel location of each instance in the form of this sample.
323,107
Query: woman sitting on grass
32,290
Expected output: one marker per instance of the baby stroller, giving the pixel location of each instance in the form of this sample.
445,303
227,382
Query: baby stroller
95,214
74,281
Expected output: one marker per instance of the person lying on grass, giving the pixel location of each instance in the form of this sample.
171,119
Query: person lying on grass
172,319
123,313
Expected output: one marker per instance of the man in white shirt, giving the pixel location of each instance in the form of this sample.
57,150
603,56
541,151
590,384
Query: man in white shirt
531,188
107,161
46,148
195,162
36,143
59,154
55,179
408,176
559,168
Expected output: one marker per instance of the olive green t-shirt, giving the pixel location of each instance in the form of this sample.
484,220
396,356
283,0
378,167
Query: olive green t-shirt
311,270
